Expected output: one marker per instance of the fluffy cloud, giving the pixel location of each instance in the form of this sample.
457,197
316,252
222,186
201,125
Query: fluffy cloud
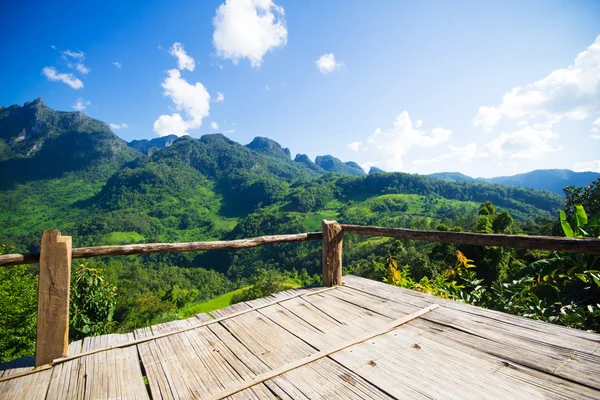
183,60
389,147
214,125
354,146
81,104
82,69
527,143
117,126
69,79
118,64
567,93
192,100
487,117
248,29
593,166
171,125
220,97
327,63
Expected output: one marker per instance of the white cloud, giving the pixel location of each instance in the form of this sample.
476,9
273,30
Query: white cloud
419,123
567,93
248,29
220,97
214,125
354,146
69,79
53,47
389,147
118,64
593,166
267,87
183,60
82,68
81,104
463,154
193,100
527,143
522,123
77,55
487,117
117,126
327,63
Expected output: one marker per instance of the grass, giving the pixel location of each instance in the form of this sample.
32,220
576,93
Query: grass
214,304
223,301
312,221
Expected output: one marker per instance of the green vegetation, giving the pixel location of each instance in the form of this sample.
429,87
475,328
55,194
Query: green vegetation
183,189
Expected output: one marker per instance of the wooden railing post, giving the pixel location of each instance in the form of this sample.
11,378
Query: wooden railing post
53,298
333,238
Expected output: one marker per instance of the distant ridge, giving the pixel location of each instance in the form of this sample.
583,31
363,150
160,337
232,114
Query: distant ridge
332,164
269,147
375,170
553,180
144,145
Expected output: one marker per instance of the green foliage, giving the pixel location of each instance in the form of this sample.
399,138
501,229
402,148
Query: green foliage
93,303
18,310
265,282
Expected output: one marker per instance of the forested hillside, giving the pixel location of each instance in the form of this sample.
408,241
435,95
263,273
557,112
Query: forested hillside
66,171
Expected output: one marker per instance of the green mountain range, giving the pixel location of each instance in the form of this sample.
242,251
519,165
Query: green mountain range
67,171
553,180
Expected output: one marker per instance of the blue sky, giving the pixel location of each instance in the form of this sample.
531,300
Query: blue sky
486,88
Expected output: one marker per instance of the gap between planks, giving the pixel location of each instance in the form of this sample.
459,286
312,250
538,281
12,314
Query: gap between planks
321,354
160,336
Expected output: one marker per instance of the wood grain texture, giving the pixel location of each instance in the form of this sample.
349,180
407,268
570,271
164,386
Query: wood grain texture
333,240
147,248
571,245
320,354
52,338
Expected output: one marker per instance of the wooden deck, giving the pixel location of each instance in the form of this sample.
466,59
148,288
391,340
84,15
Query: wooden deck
455,351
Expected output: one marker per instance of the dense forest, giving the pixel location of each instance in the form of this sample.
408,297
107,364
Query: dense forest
66,171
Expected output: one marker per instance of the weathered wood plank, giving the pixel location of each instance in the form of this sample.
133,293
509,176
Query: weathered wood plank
333,239
516,344
303,362
148,248
29,387
552,243
52,339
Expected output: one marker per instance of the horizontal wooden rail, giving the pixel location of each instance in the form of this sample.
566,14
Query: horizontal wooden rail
147,248
552,243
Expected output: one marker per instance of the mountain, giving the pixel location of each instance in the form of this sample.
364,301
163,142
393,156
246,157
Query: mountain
452,176
375,170
332,164
553,180
307,162
144,145
67,171
37,142
269,147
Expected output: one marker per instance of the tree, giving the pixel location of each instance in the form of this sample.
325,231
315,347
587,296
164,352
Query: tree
18,311
93,303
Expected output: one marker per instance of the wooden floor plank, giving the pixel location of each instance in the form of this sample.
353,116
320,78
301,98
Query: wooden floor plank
509,343
276,346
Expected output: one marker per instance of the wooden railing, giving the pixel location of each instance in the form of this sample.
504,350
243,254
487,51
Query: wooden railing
56,254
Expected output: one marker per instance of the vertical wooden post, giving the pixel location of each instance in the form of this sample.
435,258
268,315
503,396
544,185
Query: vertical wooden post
53,298
333,238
